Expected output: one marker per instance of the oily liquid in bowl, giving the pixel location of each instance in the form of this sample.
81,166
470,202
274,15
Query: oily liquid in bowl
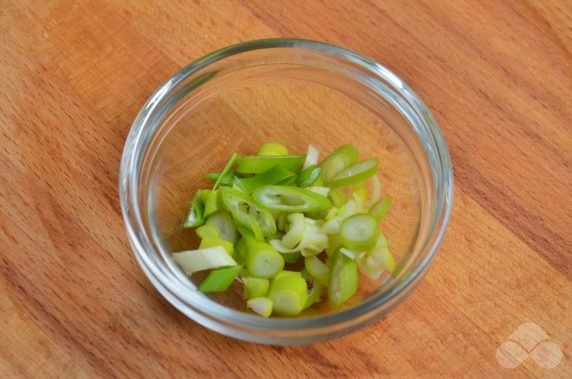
296,107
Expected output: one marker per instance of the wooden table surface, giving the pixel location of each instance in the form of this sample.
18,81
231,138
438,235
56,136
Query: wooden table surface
73,74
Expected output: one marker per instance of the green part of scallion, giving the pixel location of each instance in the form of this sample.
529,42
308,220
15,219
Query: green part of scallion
359,232
290,199
343,279
256,164
263,261
219,280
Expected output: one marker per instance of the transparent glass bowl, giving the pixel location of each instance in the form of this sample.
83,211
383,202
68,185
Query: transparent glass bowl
295,92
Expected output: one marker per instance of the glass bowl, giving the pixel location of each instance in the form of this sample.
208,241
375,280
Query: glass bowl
295,92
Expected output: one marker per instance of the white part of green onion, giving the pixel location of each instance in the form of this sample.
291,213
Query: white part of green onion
317,269
222,221
260,305
358,201
311,157
192,261
359,232
324,191
296,230
348,253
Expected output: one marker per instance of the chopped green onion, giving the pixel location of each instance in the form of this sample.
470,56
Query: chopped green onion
213,242
355,173
242,248
288,295
323,191
296,231
225,180
220,279
343,280
285,273
334,243
290,181
375,262
339,159
255,287
255,228
273,175
359,232
272,148
290,199
318,269
384,257
247,235
242,206
275,209
260,305
233,158
314,294
213,203
255,164
192,261
291,257
348,253
308,176
196,215
263,261
337,197
380,209
311,157
207,231
222,221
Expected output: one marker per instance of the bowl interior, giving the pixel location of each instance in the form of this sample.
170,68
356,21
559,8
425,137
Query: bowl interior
295,104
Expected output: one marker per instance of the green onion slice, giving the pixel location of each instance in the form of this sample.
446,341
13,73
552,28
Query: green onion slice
311,157
207,231
256,164
242,207
318,269
359,232
260,305
213,203
222,221
343,280
212,242
295,232
233,158
288,295
380,208
196,215
225,180
192,261
263,261
355,173
314,294
255,287
308,176
272,148
338,160
219,280
290,199
273,175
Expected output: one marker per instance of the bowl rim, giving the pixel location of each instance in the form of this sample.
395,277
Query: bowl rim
253,327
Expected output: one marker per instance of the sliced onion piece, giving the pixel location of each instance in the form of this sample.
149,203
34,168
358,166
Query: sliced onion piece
260,305
296,231
311,157
359,232
192,261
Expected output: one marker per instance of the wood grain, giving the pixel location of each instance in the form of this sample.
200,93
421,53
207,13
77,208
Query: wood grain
74,303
